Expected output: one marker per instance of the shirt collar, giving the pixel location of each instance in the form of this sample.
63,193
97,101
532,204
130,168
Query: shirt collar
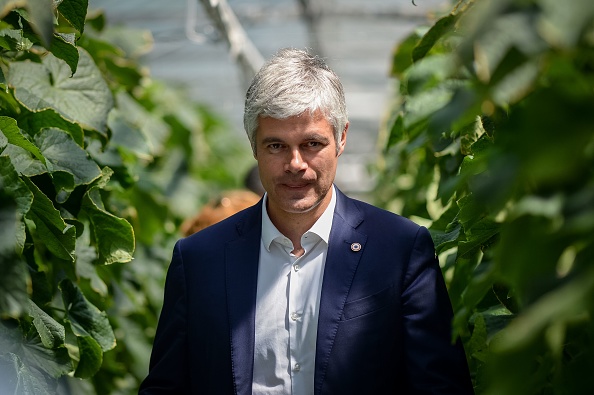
321,227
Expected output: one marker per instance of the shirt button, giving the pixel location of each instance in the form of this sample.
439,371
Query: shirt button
296,367
294,316
296,267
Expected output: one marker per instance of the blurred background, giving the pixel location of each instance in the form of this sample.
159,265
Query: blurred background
356,37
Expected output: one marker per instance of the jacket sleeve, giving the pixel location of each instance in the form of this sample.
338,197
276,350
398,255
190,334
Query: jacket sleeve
168,370
434,364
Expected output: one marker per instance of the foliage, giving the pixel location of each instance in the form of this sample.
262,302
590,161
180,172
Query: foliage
99,164
491,144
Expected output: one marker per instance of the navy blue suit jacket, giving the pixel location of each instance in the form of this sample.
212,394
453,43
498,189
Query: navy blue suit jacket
384,321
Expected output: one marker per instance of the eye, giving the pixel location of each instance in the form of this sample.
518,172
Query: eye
275,147
314,144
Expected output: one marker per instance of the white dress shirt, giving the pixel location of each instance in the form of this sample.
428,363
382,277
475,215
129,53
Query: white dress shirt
287,307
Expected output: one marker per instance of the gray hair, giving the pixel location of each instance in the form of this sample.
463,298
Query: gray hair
291,83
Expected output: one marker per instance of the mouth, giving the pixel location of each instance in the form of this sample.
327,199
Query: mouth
295,185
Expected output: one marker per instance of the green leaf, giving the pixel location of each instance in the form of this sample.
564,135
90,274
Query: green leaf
86,319
14,282
137,129
8,127
83,98
51,333
18,378
30,349
75,12
24,162
34,122
12,186
49,225
478,235
14,40
114,236
564,305
91,357
85,256
441,27
63,47
66,155
402,58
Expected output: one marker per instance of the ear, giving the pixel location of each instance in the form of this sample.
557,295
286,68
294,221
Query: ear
342,142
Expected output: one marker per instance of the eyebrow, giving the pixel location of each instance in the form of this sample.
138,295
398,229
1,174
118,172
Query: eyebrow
309,137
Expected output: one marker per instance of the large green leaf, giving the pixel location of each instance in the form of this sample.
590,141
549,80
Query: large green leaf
19,379
24,162
65,155
30,349
114,236
83,98
34,122
46,222
85,318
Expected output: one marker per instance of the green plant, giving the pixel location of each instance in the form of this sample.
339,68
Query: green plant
491,145
99,164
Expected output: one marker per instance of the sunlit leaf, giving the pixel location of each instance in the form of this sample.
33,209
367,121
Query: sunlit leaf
64,154
83,98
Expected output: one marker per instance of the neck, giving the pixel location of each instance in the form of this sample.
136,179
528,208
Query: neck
294,225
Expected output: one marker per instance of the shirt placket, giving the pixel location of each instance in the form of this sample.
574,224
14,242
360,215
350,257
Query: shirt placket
295,309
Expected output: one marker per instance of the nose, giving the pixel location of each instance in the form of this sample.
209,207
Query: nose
295,163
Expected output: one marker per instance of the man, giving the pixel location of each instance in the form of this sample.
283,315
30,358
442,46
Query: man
308,291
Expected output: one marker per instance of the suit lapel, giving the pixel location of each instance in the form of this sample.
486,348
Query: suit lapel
241,263
341,265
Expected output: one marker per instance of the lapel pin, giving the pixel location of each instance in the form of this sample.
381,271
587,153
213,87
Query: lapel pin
356,247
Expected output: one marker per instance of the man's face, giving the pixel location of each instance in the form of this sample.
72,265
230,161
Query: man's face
297,159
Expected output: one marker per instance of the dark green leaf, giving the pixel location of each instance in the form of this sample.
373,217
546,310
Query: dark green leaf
442,27
114,236
47,222
13,191
34,122
75,12
91,357
64,49
86,319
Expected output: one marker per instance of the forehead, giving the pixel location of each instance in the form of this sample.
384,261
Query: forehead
305,122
